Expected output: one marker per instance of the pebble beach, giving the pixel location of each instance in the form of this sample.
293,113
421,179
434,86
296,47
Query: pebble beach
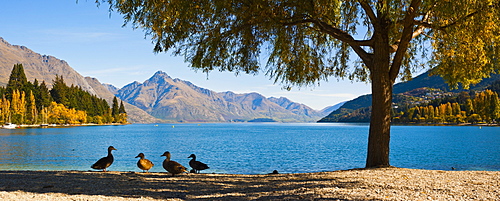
357,184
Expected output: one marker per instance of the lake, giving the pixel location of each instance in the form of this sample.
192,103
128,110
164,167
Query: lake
249,148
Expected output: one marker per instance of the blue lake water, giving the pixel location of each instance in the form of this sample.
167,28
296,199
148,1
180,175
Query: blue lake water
249,148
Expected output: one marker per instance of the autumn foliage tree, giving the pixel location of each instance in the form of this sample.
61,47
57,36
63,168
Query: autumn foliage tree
483,107
22,102
306,41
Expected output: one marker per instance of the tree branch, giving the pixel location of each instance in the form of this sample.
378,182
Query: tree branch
420,29
341,35
425,24
407,35
369,12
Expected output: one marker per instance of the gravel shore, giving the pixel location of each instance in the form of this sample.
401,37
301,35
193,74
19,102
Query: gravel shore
359,184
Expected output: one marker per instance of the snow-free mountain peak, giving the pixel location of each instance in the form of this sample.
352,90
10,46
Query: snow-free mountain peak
178,100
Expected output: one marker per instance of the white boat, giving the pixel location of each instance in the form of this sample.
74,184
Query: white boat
9,126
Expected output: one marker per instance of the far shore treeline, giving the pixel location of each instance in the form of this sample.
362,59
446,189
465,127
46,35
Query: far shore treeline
434,106
466,107
23,102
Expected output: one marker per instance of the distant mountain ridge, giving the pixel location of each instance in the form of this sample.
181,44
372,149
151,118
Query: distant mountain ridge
41,67
363,102
45,68
160,98
177,100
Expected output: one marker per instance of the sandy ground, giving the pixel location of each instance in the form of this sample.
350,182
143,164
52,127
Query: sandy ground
362,184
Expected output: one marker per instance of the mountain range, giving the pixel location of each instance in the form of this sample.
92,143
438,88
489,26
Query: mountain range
45,68
176,100
160,98
362,103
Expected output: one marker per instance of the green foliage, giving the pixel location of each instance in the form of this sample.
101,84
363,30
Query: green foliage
59,91
418,106
307,41
25,103
42,95
121,110
118,112
76,98
467,40
17,79
484,107
115,109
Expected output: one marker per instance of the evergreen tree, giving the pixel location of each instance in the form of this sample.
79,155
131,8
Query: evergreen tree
115,109
61,104
35,84
122,108
17,79
59,91
25,103
2,90
122,116
42,96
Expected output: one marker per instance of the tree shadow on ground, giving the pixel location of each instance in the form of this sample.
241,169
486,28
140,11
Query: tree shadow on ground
184,186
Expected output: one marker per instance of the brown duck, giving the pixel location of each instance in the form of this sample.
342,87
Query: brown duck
172,166
197,165
104,162
144,164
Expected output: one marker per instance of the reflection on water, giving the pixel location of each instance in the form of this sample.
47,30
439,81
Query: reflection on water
248,148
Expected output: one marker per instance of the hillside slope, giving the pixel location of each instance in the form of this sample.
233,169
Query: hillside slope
421,81
177,100
45,68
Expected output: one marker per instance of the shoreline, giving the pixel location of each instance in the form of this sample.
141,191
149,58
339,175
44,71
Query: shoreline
428,124
121,124
356,184
446,124
62,125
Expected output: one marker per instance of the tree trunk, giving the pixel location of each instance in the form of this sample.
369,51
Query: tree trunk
380,121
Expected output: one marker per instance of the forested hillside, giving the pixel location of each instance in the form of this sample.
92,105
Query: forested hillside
414,100
23,102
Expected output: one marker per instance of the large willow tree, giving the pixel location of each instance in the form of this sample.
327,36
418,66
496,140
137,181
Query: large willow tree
306,41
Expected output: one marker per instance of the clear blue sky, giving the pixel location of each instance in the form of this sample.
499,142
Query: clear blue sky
95,44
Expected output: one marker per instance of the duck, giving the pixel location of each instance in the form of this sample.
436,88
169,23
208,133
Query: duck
197,165
104,162
171,166
144,164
